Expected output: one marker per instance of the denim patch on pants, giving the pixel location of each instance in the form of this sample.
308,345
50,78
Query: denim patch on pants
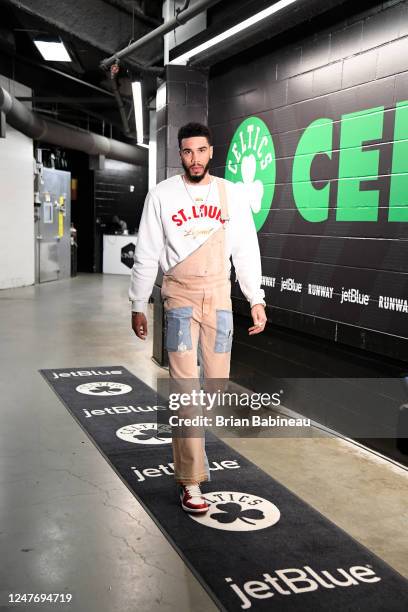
178,329
223,339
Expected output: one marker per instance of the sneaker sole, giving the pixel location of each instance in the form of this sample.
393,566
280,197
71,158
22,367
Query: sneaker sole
194,510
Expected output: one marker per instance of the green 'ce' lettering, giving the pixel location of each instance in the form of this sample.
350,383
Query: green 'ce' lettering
356,165
398,209
313,204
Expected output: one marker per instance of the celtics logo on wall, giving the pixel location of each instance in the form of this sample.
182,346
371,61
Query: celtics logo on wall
251,161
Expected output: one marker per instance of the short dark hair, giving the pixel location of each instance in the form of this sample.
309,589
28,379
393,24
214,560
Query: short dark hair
194,129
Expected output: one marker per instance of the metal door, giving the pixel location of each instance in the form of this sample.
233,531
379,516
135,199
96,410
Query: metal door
53,259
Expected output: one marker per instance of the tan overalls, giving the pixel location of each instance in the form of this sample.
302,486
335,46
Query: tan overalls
198,308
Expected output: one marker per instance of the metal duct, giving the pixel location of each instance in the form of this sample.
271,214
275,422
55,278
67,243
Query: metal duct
34,126
181,18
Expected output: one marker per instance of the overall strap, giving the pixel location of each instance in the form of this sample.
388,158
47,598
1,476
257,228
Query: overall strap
223,197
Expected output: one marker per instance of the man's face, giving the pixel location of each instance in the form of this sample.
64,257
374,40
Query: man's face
195,153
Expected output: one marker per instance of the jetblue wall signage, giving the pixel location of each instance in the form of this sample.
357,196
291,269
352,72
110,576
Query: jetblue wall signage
350,295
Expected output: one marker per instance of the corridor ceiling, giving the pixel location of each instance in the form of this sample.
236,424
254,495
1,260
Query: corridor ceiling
80,93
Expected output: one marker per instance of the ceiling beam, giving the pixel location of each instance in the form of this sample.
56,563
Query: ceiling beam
130,7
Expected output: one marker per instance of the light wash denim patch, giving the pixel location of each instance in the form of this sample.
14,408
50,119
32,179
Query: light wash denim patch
225,329
178,329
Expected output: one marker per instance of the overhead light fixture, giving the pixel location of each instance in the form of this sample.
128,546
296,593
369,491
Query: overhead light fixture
138,106
52,49
247,23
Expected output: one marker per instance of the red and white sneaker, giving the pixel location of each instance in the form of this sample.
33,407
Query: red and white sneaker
192,499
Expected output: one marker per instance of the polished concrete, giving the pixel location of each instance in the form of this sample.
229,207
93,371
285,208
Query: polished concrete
68,524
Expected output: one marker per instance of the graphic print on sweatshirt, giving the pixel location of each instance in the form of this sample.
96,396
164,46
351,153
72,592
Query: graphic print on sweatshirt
201,218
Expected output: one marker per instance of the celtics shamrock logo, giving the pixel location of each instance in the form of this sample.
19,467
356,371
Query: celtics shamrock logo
103,389
237,511
145,433
251,162
233,512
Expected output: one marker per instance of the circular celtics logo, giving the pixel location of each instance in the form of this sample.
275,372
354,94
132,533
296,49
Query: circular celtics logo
145,433
251,162
103,389
234,511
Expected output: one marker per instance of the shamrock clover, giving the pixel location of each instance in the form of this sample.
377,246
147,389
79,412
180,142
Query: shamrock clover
231,511
148,434
103,389
254,190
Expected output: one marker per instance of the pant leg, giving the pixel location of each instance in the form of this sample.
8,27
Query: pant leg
216,341
189,458
216,333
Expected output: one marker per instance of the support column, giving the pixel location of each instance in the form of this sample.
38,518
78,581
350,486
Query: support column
185,100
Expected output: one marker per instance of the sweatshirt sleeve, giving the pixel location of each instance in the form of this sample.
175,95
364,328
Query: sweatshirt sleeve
149,245
245,252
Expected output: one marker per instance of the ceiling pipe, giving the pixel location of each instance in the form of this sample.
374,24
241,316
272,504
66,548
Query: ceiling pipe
181,18
34,126
63,100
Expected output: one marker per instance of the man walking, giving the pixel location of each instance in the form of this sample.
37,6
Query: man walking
191,224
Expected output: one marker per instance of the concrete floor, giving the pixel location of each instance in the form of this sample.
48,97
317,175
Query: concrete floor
69,525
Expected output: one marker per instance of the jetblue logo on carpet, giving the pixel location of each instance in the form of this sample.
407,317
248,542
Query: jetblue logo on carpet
145,433
120,410
168,469
76,373
104,388
234,511
294,581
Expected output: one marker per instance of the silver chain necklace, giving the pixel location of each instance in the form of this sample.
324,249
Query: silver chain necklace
191,197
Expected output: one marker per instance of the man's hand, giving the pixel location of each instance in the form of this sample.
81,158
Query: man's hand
139,325
259,319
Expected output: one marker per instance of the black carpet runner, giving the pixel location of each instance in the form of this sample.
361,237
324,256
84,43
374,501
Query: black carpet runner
259,546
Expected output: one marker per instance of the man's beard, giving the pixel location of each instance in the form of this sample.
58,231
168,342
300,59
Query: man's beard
195,178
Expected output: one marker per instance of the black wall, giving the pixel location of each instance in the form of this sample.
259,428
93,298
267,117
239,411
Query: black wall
101,195
113,195
328,68
83,210
347,61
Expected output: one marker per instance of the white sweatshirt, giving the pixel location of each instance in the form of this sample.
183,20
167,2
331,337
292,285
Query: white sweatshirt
177,219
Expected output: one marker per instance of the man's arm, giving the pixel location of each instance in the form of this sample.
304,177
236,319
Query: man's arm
149,245
246,258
